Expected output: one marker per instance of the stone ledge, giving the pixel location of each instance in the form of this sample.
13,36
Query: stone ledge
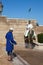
22,60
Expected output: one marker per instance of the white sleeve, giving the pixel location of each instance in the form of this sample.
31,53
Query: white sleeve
34,34
31,26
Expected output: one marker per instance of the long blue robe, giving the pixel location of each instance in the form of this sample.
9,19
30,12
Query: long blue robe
9,41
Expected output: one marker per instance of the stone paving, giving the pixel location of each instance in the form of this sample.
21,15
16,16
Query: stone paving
40,47
17,60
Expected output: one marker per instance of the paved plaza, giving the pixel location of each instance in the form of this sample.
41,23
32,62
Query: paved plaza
16,60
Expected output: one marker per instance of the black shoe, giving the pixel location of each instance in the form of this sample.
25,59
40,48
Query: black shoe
14,55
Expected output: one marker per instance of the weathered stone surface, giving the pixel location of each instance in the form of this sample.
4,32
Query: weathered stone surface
19,28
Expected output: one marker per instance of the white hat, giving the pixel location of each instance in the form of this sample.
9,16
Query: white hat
11,29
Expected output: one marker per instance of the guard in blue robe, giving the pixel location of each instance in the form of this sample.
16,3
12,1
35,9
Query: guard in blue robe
10,42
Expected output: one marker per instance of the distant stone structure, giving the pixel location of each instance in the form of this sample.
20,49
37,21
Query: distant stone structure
1,8
19,28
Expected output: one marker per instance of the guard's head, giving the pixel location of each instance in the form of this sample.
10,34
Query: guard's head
29,21
11,29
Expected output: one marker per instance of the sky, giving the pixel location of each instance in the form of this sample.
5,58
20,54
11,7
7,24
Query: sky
20,9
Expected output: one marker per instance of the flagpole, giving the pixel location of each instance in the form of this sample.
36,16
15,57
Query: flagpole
29,10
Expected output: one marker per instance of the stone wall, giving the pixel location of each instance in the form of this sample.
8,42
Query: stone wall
17,24
19,28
